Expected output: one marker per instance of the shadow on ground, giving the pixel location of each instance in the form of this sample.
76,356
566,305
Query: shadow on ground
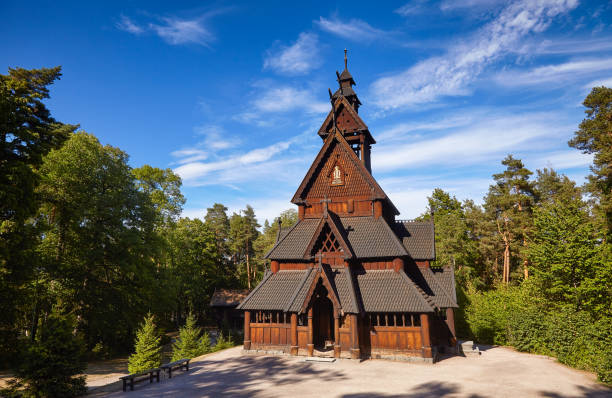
235,377
426,390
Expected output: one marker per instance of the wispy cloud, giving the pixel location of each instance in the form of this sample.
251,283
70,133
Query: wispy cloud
299,58
194,172
215,137
452,73
487,139
561,73
450,5
354,29
412,7
183,31
599,82
174,30
127,25
189,155
284,99
572,46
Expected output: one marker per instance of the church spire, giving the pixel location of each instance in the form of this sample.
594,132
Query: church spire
346,82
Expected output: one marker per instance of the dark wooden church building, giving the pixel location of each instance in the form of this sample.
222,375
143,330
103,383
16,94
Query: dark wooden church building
348,279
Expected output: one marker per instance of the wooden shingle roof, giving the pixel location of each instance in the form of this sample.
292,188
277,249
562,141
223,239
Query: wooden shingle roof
418,238
367,237
227,297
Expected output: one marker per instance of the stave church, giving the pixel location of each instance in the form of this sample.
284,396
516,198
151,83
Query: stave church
349,280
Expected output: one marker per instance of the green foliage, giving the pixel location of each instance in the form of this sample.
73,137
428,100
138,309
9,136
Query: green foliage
223,342
27,133
147,347
593,136
567,257
49,365
191,342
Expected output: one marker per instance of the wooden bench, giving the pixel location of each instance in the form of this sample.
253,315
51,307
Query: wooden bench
180,364
134,377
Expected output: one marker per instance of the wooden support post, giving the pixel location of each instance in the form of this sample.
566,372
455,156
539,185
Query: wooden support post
336,335
355,354
450,322
274,266
247,330
378,209
398,264
310,344
425,337
294,336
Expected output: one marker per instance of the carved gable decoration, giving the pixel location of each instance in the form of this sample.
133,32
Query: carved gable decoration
337,177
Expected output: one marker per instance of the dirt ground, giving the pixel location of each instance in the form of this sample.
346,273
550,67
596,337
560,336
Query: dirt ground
498,372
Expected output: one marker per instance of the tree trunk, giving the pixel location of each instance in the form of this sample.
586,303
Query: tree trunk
248,264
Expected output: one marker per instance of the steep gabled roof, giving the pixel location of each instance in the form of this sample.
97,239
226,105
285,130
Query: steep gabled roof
330,142
390,291
227,297
365,237
337,230
418,238
436,284
341,104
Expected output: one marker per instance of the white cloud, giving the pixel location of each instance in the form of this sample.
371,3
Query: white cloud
413,7
354,29
560,160
127,25
452,73
216,137
285,98
183,31
241,166
487,139
265,208
574,46
560,73
299,58
598,83
189,155
451,5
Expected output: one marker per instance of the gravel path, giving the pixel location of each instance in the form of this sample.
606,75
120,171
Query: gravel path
498,372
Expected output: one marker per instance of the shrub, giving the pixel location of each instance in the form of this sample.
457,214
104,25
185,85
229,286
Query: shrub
223,342
147,348
50,364
191,342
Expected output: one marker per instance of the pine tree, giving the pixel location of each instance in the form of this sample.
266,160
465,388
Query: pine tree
50,365
191,342
147,353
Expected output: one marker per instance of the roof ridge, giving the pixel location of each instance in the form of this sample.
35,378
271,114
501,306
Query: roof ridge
268,276
278,242
349,275
424,296
395,238
297,291
440,288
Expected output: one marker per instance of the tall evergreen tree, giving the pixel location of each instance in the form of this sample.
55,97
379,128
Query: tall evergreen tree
27,133
594,136
217,220
509,202
243,233
147,347
50,365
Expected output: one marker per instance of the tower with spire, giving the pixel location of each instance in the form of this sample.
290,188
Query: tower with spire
348,279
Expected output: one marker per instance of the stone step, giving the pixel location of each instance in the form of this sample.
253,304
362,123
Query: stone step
319,359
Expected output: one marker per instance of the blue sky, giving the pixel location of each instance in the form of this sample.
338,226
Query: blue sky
231,94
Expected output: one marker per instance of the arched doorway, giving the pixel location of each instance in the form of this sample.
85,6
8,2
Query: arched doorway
322,319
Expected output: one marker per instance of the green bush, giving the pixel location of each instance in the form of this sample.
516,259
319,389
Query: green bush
191,342
50,364
148,354
223,342
514,315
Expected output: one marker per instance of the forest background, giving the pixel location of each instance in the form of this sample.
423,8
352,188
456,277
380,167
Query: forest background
93,245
